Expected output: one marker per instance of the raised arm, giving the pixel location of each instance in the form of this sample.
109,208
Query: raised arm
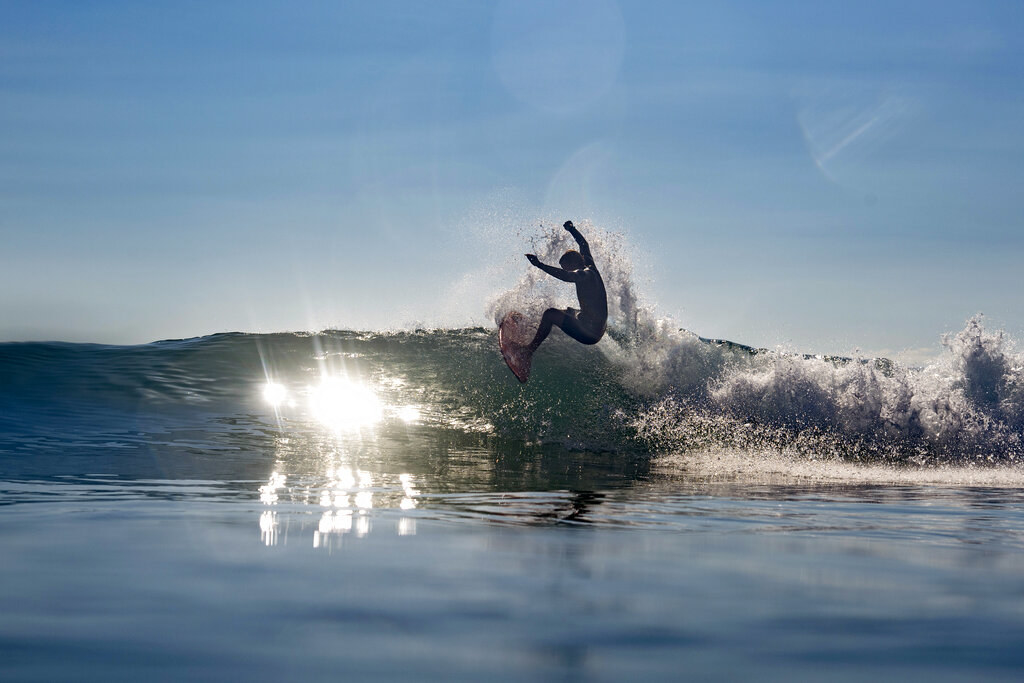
550,270
584,247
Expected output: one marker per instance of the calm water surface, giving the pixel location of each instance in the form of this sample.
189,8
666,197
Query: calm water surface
609,574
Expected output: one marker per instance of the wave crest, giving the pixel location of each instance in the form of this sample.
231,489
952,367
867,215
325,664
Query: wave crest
968,405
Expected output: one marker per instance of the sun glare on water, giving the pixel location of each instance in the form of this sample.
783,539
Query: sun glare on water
343,405
339,404
274,393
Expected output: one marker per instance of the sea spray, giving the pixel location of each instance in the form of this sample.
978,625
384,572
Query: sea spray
964,407
534,291
690,392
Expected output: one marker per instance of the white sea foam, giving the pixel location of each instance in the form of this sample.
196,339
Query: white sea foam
967,405
768,467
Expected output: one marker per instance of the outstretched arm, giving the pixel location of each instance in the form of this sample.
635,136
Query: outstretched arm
550,270
584,247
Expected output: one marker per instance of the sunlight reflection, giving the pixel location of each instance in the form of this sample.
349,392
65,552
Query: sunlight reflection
364,501
406,526
351,499
408,414
268,527
342,477
268,492
274,393
408,502
334,521
342,405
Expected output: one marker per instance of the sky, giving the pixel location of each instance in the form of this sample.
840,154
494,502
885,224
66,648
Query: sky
821,176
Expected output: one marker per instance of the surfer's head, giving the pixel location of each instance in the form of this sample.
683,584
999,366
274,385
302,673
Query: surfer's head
571,260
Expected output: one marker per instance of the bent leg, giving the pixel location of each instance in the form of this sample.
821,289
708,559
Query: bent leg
551,317
568,322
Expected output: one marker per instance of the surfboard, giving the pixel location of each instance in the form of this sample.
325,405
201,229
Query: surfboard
514,336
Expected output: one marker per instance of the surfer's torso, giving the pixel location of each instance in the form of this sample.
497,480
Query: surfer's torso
593,313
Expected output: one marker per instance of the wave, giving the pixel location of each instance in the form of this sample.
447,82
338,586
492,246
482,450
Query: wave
648,386
662,389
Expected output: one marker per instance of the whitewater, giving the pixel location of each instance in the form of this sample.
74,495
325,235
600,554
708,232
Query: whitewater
395,504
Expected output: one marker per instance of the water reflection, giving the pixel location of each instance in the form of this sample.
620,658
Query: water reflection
347,497
353,486
365,449
268,527
383,477
409,499
268,492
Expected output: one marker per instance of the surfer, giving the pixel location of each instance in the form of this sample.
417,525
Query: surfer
587,325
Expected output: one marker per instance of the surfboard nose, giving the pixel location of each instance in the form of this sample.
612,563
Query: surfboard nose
512,336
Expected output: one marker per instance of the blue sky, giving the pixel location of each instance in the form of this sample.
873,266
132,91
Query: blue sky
823,175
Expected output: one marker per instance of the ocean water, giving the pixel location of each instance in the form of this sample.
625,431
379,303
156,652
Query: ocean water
396,506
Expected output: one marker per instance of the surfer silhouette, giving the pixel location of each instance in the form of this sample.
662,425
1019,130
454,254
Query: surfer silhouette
587,325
